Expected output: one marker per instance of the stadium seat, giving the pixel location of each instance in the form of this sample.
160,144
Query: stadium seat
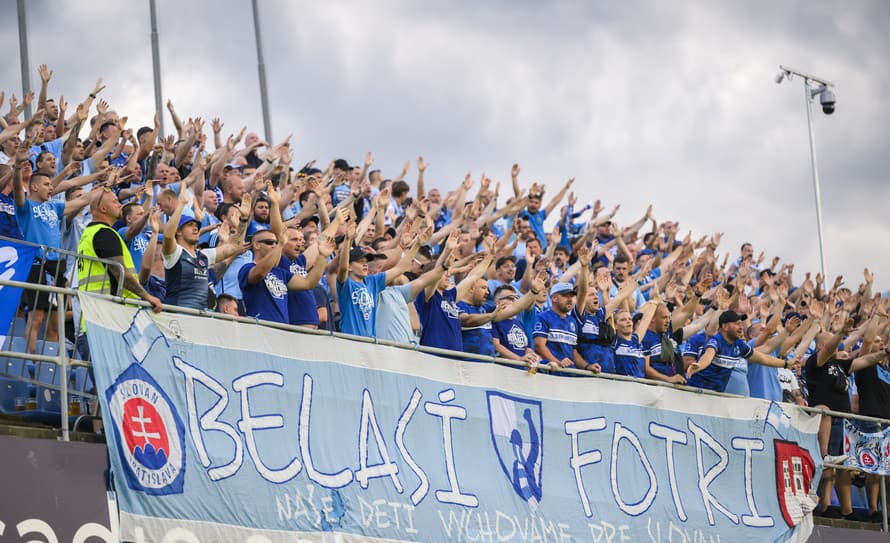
48,399
11,389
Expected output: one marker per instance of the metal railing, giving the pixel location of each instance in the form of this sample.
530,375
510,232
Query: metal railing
53,300
63,361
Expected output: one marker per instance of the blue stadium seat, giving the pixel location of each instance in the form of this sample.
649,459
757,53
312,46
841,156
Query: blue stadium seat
48,399
11,389
18,327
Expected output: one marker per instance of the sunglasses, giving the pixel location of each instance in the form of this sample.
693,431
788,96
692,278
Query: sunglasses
271,242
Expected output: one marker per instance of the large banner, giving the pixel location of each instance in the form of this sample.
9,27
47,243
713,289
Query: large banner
15,263
867,444
223,431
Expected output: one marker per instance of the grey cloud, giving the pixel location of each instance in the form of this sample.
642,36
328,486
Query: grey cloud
672,103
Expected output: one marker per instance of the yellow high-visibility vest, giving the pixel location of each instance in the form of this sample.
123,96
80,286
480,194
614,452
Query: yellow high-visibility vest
92,275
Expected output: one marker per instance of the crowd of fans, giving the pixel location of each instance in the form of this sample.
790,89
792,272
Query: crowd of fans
230,223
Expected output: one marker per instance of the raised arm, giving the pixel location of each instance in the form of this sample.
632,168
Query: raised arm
21,161
648,311
405,263
73,207
484,261
559,196
526,301
236,242
266,263
829,349
325,246
343,268
681,316
177,122
514,177
148,257
45,75
443,262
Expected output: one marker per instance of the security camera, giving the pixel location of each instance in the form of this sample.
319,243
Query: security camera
827,99
780,77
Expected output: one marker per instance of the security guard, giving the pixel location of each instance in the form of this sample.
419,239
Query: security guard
100,240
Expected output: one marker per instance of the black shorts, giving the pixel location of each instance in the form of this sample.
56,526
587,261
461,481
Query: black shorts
51,272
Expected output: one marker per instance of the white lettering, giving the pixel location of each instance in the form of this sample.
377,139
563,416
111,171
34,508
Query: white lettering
335,480
249,424
749,445
671,436
706,478
578,460
209,421
634,509
448,412
424,486
387,467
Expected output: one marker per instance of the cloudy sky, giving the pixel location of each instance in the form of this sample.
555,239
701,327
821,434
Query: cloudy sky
672,103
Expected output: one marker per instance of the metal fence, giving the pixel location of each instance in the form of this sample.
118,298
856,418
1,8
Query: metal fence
73,391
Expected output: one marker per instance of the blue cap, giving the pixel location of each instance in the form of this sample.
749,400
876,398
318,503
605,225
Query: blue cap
562,288
185,219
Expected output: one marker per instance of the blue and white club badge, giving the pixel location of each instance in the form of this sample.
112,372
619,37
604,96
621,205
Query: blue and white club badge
517,435
149,433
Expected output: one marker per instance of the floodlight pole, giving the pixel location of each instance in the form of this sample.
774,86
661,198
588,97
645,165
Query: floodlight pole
787,72
261,68
24,54
156,67
815,169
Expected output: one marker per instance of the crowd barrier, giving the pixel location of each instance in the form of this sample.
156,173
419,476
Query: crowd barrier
70,391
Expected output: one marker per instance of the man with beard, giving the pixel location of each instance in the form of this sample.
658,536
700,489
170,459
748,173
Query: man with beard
723,352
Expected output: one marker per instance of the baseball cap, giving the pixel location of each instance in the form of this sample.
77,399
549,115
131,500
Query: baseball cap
359,254
504,259
731,316
341,164
562,288
185,219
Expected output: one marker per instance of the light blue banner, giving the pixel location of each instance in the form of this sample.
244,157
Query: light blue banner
15,263
212,436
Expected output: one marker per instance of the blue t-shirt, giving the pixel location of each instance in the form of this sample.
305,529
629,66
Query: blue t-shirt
738,378
340,193
536,222
255,227
652,348
512,335
54,147
592,353
157,287
439,320
561,333
727,356
529,317
476,339
9,226
301,306
629,358
208,220
137,245
358,303
266,299
42,223
763,381
694,345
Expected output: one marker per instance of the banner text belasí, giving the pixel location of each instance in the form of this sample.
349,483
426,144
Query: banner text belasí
317,434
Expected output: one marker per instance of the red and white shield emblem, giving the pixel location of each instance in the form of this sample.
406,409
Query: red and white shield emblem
794,476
